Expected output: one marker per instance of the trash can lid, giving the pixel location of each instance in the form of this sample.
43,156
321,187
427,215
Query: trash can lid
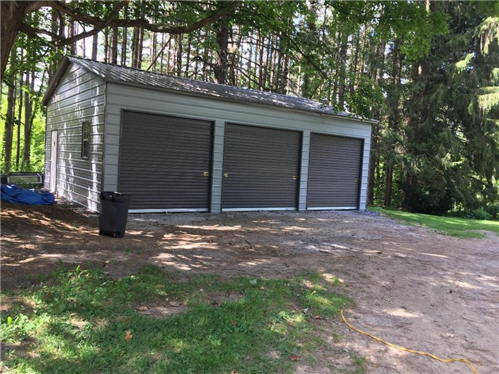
114,196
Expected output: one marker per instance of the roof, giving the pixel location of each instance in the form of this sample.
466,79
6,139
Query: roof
129,76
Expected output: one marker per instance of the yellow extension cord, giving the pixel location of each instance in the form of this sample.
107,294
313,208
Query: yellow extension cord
475,371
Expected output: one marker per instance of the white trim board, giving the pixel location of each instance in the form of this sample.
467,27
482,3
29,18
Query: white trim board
334,208
256,209
136,211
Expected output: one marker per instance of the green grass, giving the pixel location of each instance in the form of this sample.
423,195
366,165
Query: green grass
453,226
78,320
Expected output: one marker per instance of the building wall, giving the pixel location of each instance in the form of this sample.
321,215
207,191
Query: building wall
80,97
120,97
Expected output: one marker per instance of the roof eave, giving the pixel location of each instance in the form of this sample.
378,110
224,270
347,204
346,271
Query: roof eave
56,80
129,84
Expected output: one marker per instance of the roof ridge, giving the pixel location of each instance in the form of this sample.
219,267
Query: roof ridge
194,80
115,73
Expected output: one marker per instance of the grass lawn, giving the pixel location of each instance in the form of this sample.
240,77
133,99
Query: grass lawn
82,321
452,226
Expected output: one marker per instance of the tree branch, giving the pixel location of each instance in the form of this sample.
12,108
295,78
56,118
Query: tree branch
111,21
29,30
177,29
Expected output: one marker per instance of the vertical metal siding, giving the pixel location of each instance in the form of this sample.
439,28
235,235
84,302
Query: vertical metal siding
217,167
163,160
78,98
334,172
305,155
121,97
261,168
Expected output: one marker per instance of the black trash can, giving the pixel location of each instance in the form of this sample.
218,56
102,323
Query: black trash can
113,213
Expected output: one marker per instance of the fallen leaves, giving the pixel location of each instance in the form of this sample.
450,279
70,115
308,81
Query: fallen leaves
294,358
128,335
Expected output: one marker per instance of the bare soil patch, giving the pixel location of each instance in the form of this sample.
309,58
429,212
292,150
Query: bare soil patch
412,286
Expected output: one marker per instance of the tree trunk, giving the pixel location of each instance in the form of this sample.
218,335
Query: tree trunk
205,57
268,63
354,67
163,52
95,42
260,61
220,68
250,55
196,61
188,56
114,46
154,49
13,13
141,47
106,44
277,76
20,113
124,42
237,60
285,74
9,123
168,57
393,117
378,66
180,38
72,32
388,182
27,122
342,71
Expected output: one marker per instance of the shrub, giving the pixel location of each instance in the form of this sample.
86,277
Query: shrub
435,199
493,210
479,214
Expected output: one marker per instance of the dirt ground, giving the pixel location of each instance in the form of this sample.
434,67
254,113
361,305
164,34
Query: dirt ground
412,286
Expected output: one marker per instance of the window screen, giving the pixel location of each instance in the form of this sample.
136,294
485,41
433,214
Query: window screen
85,140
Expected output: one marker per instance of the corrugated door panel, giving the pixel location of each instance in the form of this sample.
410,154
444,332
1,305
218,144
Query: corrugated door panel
162,161
261,165
334,172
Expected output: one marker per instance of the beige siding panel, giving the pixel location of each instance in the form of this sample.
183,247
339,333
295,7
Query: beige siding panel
79,98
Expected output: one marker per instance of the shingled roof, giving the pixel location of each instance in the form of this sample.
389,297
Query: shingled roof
135,77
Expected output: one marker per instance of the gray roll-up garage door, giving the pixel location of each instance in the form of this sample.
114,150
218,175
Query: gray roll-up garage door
165,162
261,168
334,172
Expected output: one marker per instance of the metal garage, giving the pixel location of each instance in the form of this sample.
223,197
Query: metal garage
334,172
181,145
261,168
165,162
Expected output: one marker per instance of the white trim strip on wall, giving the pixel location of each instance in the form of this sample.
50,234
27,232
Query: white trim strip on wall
334,208
254,209
168,210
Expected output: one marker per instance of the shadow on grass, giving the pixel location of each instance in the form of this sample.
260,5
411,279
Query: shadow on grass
88,323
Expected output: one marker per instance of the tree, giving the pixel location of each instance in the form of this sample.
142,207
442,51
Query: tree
452,132
17,11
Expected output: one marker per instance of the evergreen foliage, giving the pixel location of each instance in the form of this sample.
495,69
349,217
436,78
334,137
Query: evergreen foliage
428,71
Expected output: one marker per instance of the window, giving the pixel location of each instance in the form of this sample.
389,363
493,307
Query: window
85,140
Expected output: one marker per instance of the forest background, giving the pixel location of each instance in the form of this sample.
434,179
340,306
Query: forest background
427,70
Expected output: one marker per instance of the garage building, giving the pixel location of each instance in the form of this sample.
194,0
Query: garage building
181,145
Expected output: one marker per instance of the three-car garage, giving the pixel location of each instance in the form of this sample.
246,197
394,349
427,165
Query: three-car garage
180,145
165,163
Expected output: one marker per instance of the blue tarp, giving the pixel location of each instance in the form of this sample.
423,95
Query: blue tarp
17,195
